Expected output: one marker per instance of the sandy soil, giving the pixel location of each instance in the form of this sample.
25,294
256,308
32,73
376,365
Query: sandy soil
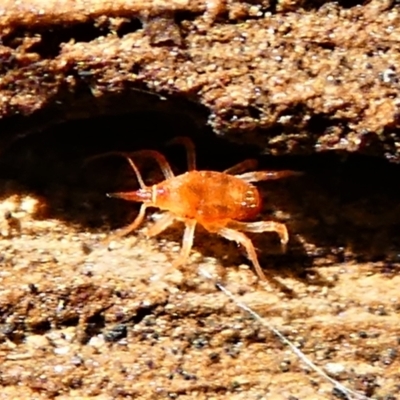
115,323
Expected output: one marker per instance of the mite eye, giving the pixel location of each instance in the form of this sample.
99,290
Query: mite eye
249,200
249,196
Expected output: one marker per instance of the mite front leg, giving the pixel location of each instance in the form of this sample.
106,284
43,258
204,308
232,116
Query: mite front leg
256,176
241,238
161,160
190,150
137,173
263,226
242,166
161,225
187,243
124,231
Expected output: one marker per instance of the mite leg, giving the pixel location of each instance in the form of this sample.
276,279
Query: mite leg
161,225
256,176
263,226
104,155
131,163
190,150
137,173
241,238
131,227
160,159
187,243
242,166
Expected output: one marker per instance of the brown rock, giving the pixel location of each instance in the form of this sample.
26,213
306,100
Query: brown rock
306,80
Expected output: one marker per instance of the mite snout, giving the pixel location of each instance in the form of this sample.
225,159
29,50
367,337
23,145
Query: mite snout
140,195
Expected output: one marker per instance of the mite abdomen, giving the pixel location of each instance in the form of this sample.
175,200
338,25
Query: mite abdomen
209,196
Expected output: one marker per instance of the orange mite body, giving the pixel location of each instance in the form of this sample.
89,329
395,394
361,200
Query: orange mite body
221,202
209,197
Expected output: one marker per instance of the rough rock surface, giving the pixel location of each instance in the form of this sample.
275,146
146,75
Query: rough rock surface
79,321
289,76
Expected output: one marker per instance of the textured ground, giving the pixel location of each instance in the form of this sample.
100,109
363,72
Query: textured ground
112,323
78,320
